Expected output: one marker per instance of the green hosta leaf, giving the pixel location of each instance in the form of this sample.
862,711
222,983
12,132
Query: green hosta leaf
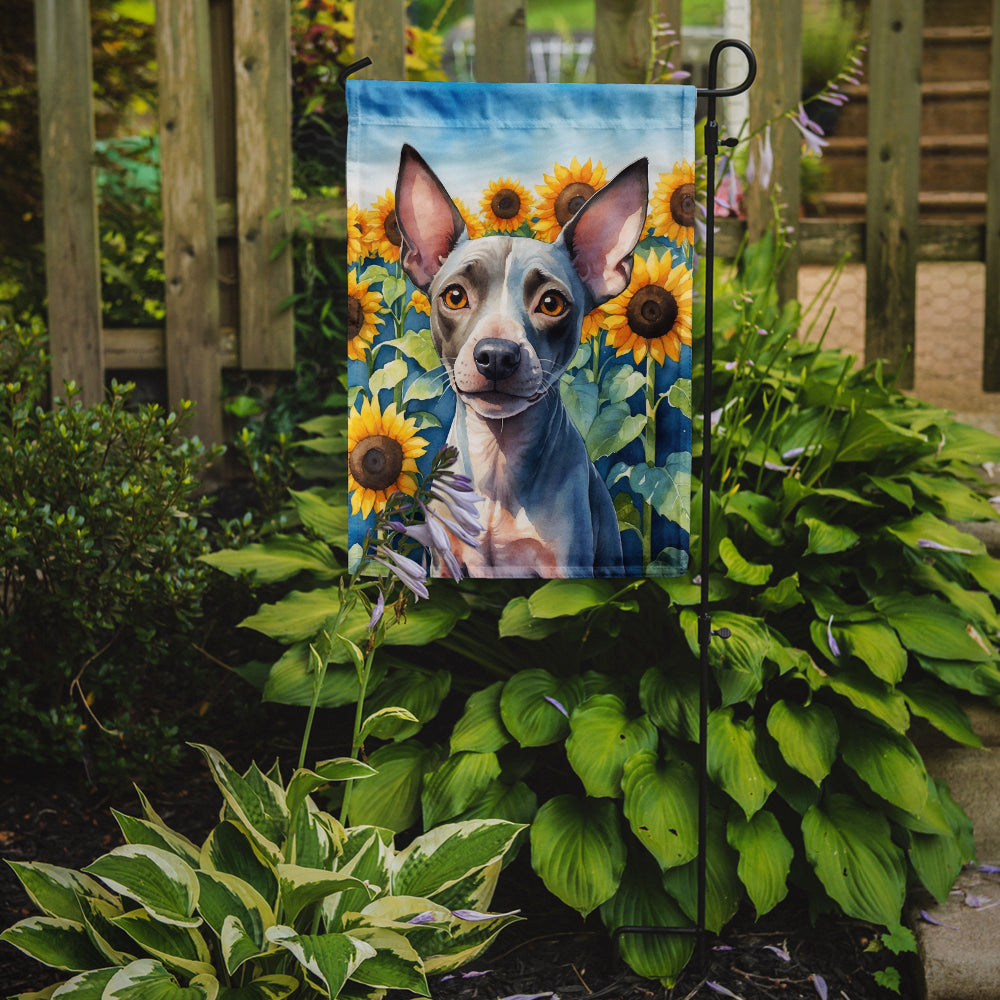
864,691
601,739
671,700
578,851
142,831
180,948
986,572
330,959
301,887
292,680
304,782
738,569
260,809
391,798
481,728
876,646
147,979
783,595
955,499
888,763
438,859
807,736
661,799
976,678
159,881
225,897
937,859
395,964
274,987
388,722
870,436
850,848
723,889
230,849
732,760
54,941
613,428
456,784
932,628
559,598
328,520
928,528
738,661
515,803
56,891
941,709
417,690
528,711
765,858
517,620
828,539
760,512
641,901
279,558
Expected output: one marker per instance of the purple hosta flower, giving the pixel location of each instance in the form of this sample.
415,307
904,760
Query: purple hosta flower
460,502
927,918
728,196
430,535
990,869
427,917
377,612
409,573
531,996
831,642
719,988
475,915
780,952
812,134
465,975
558,705
928,543
820,984
760,164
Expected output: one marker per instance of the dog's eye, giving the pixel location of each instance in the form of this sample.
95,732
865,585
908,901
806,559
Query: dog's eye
455,297
552,304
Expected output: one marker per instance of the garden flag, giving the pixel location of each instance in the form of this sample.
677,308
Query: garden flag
520,287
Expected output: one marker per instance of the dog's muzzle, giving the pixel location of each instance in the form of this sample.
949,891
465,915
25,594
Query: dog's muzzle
496,359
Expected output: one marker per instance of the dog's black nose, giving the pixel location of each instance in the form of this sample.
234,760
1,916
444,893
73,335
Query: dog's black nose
497,359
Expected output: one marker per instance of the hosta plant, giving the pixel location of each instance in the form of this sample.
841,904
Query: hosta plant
279,900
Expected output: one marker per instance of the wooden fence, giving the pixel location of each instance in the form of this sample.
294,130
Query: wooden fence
226,160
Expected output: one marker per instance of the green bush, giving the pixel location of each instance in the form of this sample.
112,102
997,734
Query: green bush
101,584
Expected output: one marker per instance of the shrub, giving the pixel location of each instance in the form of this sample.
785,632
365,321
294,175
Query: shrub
99,539
280,899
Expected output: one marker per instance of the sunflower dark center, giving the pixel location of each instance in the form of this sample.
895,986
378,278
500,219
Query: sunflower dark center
355,316
376,462
506,203
391,227
651,312
570,200
682,205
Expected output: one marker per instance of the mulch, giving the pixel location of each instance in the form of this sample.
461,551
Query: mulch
551,953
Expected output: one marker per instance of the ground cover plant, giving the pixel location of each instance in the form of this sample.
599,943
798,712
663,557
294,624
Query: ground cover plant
854,604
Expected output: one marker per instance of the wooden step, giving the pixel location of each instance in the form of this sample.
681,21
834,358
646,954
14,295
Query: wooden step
940,13
945,104
947,162
956,53
957,206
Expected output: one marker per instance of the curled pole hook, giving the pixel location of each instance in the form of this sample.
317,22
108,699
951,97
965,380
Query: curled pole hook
712,90
352,68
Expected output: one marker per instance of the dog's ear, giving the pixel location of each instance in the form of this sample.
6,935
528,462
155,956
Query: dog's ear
428,220
600,238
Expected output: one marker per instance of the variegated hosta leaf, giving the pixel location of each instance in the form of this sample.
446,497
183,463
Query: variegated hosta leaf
328,959
642,902
723,889
475,891
86,986
141,831
367,853
481,727
256,801
888,763
732,760
850,847
230,849
54,941
602,737
578,851
395,964
225,897
467,940
301,887
177,947
765,858
304,782
116,946
274,987
147,979
535,706
441,857
56,891
158,880
807,736
456,784
661,805
315,838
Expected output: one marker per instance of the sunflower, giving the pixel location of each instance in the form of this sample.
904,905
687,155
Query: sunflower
420,302
473,224
592,324
382,449
363,308
652,315
505,205
356,237
384,237
673,204
564,194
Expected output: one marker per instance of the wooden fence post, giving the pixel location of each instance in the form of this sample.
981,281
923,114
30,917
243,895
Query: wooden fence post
623,37
776,34
892,213
501,41
190,251
380,34
991,331
72,255
262,61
